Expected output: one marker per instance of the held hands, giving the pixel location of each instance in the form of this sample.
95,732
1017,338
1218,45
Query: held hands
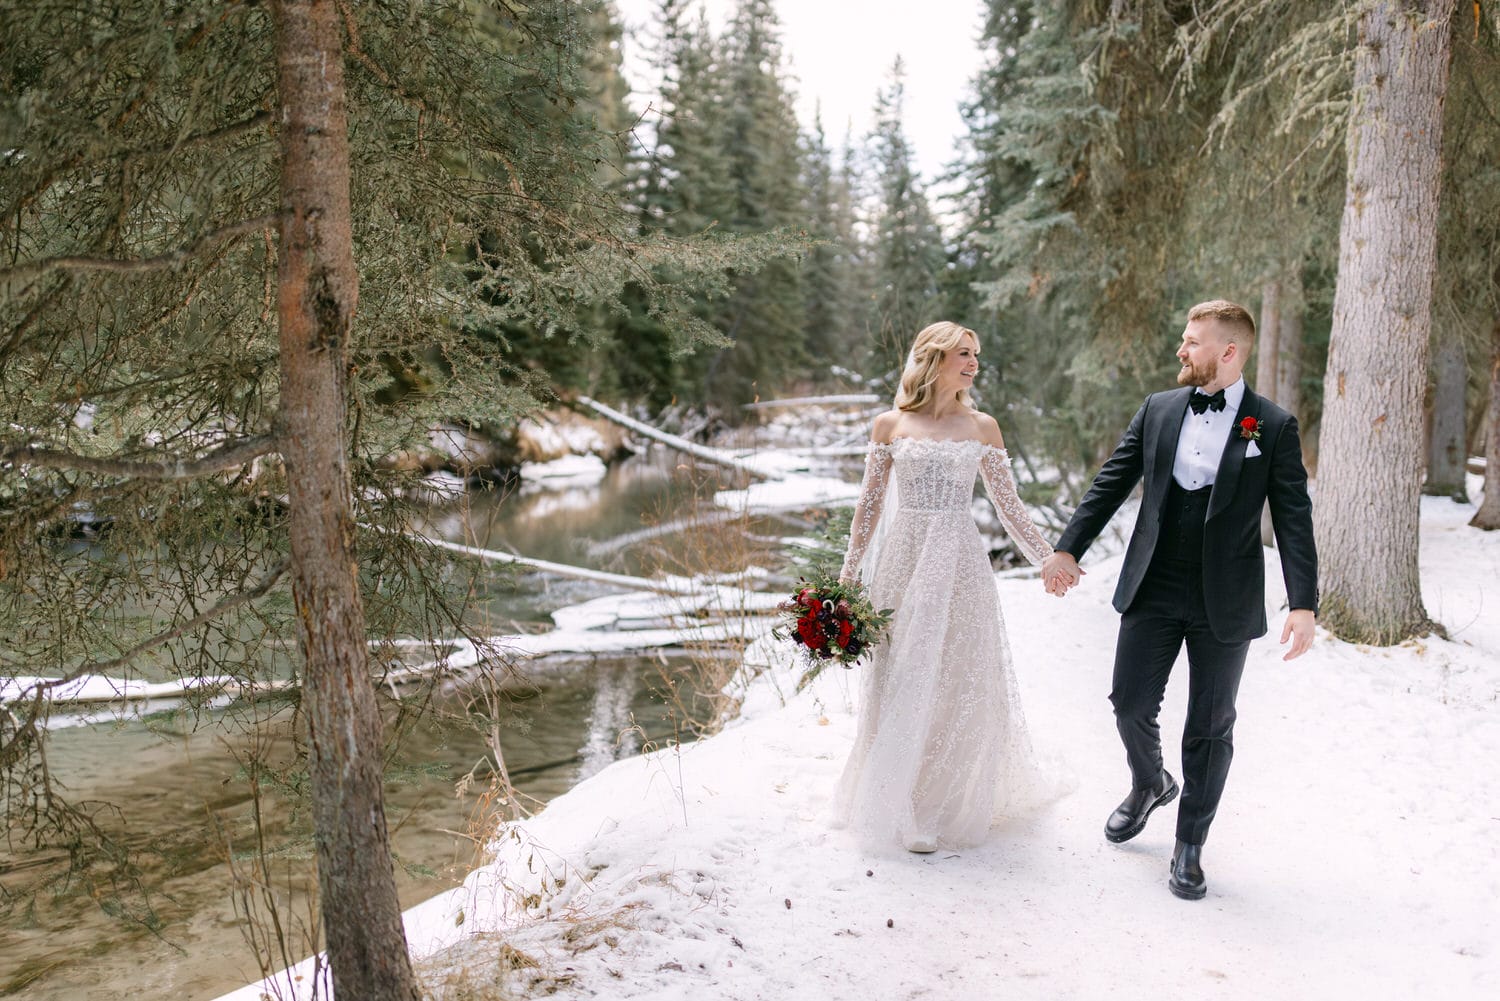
1060,572
1299,628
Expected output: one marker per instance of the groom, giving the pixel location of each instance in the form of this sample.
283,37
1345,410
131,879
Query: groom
1210,456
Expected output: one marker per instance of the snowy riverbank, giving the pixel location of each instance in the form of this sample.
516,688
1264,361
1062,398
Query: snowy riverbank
1357,853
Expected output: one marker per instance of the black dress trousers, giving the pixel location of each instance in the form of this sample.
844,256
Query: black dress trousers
1167,612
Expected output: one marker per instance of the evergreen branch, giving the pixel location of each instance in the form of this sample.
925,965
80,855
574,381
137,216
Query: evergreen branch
173,260
42,304
10,751
357,50
229,131
229,604
227,457
26,198
25,732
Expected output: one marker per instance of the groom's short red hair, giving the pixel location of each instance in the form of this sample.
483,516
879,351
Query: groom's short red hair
1235,318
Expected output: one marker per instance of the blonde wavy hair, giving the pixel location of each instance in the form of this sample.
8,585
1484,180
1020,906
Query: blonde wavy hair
919,377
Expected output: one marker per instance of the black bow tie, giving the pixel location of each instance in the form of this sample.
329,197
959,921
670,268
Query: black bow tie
1201,401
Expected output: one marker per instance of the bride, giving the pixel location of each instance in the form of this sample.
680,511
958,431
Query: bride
941,748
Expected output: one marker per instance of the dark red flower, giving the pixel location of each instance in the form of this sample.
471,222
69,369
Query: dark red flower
1250,429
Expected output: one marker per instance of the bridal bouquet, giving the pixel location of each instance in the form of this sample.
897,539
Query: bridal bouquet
831,621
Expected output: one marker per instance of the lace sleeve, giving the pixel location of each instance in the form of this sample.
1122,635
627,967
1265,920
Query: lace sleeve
872,492
994,469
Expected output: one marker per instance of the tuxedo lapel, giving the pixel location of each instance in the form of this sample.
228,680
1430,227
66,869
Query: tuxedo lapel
1166,429
1228,475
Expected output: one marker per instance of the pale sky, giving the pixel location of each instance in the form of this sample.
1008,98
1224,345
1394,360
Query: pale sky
840,52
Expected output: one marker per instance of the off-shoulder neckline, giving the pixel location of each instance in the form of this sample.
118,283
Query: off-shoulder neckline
938,441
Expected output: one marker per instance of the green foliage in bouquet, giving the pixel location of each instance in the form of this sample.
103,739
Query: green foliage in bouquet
832,621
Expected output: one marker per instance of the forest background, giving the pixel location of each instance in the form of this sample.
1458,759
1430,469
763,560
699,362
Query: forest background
234,289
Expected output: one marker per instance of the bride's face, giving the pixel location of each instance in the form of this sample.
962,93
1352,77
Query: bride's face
959,366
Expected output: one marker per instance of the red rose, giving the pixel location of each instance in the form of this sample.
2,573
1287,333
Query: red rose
1250,429
808,598
846,629
811,632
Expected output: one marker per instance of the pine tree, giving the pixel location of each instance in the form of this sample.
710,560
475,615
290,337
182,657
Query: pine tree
763,316
828,325
1019,379
727,162
851,224
908,257
1067,364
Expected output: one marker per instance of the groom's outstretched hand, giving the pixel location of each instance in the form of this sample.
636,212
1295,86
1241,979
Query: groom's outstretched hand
1060,572
1299,629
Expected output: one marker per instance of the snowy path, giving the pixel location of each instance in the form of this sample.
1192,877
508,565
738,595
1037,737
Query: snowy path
1356,855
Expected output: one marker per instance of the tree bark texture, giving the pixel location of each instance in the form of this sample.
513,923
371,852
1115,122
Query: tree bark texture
1447,440
1267,357
1278,339
316,301
1287,391
1268,339
1371,443
1488,515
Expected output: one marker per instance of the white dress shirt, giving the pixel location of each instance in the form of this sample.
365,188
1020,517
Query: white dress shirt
1200,446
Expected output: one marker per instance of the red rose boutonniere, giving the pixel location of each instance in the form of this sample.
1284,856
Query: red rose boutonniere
1250,429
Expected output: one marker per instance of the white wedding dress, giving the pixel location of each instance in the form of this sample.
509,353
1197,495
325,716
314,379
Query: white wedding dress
942,748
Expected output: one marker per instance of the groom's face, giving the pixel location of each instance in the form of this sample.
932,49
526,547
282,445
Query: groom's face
1203,345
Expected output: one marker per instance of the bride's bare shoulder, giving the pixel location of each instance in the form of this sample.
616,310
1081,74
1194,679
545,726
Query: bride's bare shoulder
884,427
988,428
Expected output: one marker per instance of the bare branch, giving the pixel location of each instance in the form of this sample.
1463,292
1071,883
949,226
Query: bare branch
229,604
228,457
172,260
26,724
42,304
230,131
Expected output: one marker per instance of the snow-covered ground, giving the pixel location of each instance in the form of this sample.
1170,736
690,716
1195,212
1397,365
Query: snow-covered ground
1356,853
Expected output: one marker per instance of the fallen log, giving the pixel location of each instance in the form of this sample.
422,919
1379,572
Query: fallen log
844,399
717,456
566,570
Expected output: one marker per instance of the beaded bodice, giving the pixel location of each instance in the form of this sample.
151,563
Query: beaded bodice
937,475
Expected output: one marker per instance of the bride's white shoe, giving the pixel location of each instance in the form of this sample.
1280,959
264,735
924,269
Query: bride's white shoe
921,843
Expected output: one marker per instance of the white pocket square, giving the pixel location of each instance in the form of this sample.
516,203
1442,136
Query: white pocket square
1251,451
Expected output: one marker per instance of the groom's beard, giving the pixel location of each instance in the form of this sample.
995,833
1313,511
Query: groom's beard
1198,375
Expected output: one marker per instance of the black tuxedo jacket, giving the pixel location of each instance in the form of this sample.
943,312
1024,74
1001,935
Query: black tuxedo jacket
1234,568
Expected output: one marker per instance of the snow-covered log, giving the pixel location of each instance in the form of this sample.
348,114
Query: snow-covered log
662,586
716,456
845,399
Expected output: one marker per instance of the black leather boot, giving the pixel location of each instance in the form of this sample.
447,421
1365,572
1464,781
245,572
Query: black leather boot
1129,818
1187,879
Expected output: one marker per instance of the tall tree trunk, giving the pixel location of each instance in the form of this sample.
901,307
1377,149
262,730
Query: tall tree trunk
316,301
1267,365
1268,339
1447,440
1287,391
1370,454
1488,515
